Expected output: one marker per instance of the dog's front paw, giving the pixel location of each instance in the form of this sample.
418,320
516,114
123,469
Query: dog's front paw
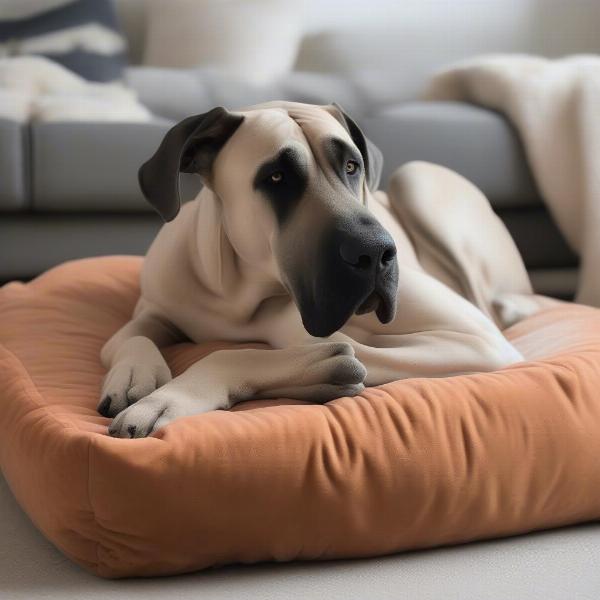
323,371
125,384
142,418
341,373
157,410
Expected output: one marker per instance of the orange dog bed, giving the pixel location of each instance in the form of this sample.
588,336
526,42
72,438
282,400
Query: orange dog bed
411,464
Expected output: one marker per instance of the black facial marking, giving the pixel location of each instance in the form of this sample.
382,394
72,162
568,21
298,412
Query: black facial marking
283,181
338,153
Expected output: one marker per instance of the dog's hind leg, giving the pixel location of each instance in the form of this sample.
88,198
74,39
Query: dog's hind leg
320,371
460,241
134,362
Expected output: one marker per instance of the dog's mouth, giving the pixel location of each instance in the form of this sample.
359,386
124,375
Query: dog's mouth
329,288
372,303
321,319
381,304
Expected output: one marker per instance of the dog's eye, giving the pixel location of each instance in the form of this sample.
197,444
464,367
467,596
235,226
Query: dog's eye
276,177
351,167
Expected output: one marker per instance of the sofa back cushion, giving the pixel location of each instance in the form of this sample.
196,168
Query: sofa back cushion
82,35
256,40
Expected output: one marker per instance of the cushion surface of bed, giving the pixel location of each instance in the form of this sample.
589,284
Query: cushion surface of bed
411,464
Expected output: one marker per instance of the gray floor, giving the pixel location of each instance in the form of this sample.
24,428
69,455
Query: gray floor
558,565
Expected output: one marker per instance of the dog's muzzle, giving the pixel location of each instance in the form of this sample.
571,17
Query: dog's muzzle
356,272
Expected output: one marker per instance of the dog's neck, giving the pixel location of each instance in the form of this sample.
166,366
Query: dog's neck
228,274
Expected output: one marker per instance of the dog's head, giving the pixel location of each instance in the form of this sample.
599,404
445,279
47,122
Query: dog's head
293,181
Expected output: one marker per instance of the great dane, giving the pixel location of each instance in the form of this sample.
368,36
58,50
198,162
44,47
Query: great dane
289,243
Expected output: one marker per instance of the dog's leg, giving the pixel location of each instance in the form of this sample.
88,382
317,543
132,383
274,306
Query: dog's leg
319,372
460,241
135,365
435,333
435,353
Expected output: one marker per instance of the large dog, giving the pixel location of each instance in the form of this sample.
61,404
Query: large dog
289,242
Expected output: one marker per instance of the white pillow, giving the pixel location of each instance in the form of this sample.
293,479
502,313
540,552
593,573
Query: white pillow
253,39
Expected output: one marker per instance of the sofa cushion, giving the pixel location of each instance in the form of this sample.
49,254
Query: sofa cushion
201,89
411,464
254,39
477,143
83,167
14,166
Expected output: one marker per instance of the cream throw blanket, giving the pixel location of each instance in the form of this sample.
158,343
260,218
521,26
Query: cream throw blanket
36,88
555,107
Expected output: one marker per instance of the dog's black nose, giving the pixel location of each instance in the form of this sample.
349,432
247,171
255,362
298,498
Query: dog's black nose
368,250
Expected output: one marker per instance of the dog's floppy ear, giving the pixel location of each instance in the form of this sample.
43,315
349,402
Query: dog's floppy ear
372,156
189,147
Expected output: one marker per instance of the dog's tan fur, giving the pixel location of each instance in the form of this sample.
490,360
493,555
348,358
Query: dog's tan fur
212,274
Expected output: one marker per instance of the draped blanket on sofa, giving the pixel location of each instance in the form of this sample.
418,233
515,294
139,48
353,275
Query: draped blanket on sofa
555,107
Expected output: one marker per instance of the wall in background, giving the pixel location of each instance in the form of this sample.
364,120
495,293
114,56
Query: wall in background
555,25
551,26
382,42
455,28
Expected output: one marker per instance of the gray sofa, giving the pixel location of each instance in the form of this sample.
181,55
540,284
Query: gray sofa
69,190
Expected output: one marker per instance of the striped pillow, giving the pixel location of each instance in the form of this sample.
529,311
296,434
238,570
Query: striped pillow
82,35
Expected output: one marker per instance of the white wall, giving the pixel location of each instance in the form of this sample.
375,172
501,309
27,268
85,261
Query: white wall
564,23
407,39
393,46
551,26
